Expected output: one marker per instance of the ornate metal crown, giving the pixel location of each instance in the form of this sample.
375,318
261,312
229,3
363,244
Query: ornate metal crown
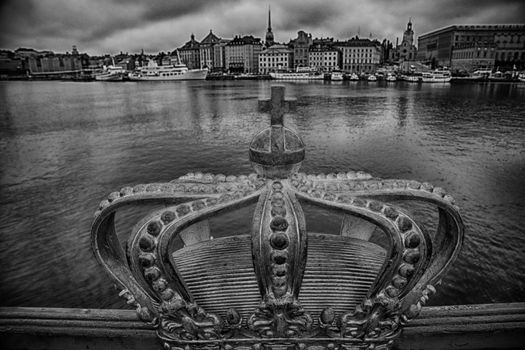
280,286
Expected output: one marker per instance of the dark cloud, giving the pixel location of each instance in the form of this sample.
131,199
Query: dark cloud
307,14
99,26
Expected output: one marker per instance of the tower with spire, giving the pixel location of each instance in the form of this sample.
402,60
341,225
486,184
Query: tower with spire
269,35
408,35
406,51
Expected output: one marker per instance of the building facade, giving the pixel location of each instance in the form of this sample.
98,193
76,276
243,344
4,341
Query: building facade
207,51
54,63
300,47
437,46
275,58
219,56
190,53
242,54
468,57
360,55
324,58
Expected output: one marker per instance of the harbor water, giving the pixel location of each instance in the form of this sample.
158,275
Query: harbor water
65,145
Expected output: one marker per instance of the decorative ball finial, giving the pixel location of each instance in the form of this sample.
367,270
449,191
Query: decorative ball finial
276,152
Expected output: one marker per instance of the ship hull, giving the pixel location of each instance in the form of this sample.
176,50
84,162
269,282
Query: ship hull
108,77
436,80
295,76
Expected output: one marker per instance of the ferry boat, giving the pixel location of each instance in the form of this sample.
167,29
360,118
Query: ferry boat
301,73
336,76
169,72
437,76
111,73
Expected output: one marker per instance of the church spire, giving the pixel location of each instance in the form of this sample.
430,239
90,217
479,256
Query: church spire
269,19
269,34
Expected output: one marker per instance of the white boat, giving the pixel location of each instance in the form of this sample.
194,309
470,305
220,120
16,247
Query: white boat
437,76
336,76
412,77
372,77
169,72
111,73
521,77
391,77
478,75
498,76
301,73
354,77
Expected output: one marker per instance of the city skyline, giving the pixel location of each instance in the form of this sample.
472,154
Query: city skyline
100,27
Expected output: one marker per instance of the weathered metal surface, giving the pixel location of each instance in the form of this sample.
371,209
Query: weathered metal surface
294,307
469,327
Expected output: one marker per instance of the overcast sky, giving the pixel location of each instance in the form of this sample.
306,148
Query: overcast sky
111,26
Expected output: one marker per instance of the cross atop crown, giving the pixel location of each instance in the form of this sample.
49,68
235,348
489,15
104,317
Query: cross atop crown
277,105
277,152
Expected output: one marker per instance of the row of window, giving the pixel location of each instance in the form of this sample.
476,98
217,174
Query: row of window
358,68
510,56
323,58
472,54
170,74
273,59
358,50
358,61
327,64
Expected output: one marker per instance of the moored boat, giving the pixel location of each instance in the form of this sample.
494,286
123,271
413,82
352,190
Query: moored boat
391,77
412,77
336,76
498,76
169,72
437,76
478,75
354,77
301,73
111,73
372,77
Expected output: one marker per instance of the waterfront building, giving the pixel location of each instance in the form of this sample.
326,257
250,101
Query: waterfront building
54,63
190,53
269,35
207,50
406,51
360,55
468,57
300,46
219,55
324,58
242,54
275,58
509,40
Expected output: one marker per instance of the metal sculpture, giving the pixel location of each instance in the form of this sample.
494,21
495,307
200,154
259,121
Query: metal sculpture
279,287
